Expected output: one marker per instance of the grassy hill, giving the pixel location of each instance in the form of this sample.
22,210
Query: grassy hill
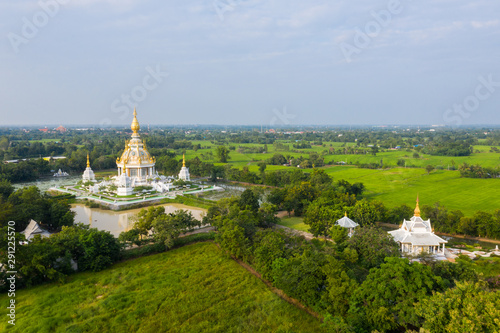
195,288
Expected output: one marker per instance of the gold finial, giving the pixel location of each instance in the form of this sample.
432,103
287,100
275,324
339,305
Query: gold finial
135,124
345,214
183,160
88,161
417,209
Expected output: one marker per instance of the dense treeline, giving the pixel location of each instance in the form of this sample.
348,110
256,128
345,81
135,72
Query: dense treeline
477,171
359,284
28,204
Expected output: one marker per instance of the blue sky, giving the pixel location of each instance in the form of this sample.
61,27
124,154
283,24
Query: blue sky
262,62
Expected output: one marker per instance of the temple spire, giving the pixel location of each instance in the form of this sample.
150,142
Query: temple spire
417,209
135,124
183,160
88,161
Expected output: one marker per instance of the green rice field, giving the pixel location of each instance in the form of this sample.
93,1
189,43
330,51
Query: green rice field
195,288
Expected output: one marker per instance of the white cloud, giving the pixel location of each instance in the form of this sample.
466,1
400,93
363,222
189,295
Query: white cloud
484,24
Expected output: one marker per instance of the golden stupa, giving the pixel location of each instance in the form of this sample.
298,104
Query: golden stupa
136,161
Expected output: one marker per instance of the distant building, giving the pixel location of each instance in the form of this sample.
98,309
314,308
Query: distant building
184,173
34,229
346,222
61,129
416,236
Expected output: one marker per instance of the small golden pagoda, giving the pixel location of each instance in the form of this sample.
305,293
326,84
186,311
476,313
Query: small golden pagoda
136,161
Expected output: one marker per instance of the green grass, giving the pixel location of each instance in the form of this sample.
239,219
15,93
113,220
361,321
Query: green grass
293,222
399,186
195,288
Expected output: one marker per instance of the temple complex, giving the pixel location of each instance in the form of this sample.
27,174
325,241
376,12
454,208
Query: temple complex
416,236
136,161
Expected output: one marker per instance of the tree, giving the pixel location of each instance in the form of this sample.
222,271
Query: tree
231,238
100,250
262,167
396,215
269,245
319,178
339,286
373,245
165,230
249,200
385,300
301,276
6,189
320,217
469,307
222,154
429,168
143,221
366,213
267,215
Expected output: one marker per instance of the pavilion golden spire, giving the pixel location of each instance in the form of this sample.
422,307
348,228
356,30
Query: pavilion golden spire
417,209
88,161
135,124
183,160
345,214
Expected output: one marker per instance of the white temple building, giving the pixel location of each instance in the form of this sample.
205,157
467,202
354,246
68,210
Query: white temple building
346,222
184,173
88,174
34,229
136,161
416,236
124,184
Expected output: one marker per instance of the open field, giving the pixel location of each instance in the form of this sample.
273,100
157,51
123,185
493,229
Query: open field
195,288
395,186
399,186
293,222
389,157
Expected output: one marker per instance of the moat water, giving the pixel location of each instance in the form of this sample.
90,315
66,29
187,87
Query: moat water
118,221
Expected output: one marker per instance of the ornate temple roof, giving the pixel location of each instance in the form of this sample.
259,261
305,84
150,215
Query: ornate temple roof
417,231
346,222
136,153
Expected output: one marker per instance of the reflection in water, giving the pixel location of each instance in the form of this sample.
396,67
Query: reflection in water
116,222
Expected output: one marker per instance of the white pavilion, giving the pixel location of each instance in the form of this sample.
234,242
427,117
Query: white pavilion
136,161
88,174
184,173
34,229
346,222
416,236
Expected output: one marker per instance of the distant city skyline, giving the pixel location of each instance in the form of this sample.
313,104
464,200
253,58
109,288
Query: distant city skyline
259,63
